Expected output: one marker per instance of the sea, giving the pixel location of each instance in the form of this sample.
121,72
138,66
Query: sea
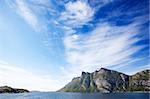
61,95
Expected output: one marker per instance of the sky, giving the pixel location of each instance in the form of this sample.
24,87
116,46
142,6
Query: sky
46,43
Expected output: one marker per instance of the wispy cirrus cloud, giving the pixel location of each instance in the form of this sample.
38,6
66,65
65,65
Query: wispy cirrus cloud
112,43
27,13
109,44
77,13
106,45
80,12
30,11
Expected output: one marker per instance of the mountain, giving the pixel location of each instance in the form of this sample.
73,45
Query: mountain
6,89
106,80
140,81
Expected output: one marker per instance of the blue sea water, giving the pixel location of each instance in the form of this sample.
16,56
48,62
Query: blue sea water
58,95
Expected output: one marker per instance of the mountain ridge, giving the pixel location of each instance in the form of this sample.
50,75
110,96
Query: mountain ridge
106,80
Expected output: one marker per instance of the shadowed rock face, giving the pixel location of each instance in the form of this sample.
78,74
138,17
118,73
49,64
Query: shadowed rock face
106,80
6,89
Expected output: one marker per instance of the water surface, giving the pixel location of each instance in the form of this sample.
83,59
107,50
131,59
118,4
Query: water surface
57,95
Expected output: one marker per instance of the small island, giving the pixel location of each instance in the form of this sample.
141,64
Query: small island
6,89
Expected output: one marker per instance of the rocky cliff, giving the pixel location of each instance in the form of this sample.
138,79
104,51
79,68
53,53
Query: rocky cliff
140,81
6,89
106,80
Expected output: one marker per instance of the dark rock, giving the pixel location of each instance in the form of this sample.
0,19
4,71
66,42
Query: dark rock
6,89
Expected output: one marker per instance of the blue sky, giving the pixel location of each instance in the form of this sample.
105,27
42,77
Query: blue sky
45,43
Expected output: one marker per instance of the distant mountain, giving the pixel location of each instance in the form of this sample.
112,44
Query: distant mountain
6,89
106,80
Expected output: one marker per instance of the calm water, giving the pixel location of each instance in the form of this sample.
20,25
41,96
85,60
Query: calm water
55,95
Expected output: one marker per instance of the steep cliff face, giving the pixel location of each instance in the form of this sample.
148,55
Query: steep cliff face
106,80
85,83
110,81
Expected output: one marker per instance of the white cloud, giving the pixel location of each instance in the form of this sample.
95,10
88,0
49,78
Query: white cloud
77,13
27,13
106,45
30,12
17,77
